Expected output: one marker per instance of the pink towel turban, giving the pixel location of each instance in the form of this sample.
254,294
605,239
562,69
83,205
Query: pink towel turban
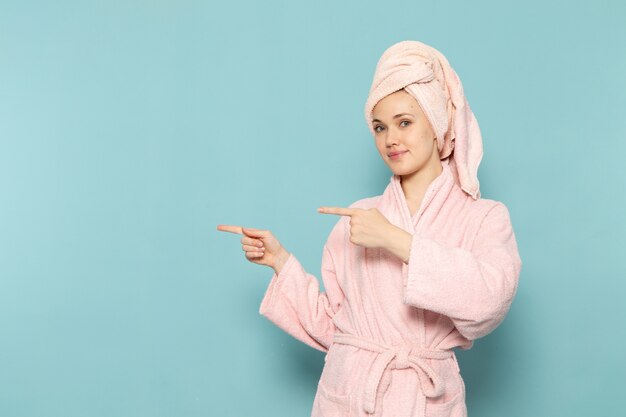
426,75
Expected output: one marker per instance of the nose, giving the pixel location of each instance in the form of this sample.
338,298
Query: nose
392,138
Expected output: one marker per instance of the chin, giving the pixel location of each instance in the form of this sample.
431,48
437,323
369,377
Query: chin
402,171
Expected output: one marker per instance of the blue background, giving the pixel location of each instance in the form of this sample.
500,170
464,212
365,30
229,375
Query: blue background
130,129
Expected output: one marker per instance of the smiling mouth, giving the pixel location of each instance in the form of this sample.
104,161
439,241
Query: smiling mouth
396,155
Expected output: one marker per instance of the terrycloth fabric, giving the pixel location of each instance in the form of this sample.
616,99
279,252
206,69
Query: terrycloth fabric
426,74
388,327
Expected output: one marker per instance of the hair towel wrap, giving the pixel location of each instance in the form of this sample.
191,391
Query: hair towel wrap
424,73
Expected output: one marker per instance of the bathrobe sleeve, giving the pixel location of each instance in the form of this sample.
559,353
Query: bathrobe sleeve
474,288
293,300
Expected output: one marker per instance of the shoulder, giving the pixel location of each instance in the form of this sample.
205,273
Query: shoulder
480,214
490,209
484,205
479,209
493,219
366,203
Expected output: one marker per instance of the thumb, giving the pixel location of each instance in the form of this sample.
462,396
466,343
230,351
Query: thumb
250,231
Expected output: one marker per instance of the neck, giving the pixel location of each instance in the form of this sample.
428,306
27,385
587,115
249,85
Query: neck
414,185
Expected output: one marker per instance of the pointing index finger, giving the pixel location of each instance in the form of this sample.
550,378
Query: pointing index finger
231,229
342,211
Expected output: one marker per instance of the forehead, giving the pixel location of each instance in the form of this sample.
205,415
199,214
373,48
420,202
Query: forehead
399,101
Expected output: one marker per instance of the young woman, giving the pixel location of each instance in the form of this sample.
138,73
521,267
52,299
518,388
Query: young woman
409,275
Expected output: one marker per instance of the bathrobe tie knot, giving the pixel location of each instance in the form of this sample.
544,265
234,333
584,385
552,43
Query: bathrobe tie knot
402,356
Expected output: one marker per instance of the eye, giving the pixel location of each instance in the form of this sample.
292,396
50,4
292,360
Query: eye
376,128
404,122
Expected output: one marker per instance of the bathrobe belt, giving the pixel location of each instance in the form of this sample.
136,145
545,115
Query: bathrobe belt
406,356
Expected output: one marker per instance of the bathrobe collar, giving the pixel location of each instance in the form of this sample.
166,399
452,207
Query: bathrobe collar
435,196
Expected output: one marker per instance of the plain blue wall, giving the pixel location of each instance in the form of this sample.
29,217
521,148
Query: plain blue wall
130,129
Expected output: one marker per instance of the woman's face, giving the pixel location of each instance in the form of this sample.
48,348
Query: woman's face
401,126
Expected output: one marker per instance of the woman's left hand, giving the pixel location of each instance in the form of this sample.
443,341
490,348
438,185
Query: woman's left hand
368,227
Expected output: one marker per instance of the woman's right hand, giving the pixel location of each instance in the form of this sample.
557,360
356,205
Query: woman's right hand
260,246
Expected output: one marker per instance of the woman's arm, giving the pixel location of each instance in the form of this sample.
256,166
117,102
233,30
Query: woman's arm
473,288
399,243
294,303
281,259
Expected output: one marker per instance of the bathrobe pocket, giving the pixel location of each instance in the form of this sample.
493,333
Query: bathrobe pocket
454,403
337,383
331,404
451,408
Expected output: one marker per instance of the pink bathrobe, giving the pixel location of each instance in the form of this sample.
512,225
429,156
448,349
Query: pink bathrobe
389,328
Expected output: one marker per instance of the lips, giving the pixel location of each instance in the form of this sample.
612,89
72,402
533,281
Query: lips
392,154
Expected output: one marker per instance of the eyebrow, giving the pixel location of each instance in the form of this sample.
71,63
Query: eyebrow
395,117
